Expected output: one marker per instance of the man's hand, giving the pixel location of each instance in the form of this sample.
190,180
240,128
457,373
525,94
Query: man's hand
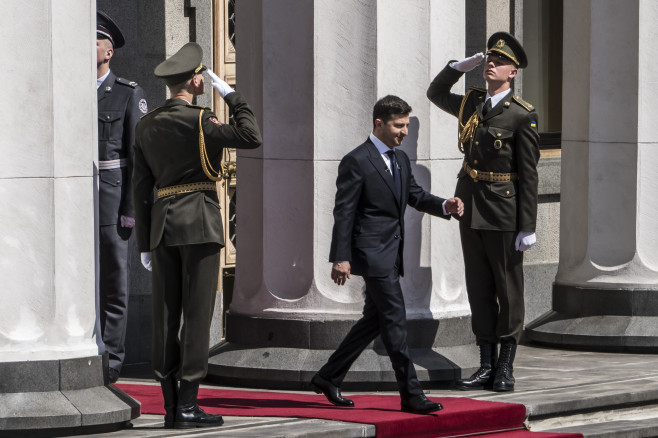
218,84
525,240
147,260
127,222
340,272
455,206
468,64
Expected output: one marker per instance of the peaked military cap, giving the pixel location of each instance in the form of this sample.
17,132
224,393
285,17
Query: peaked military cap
505,45
107,28
182,65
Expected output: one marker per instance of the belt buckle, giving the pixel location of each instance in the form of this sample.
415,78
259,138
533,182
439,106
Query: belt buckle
473,174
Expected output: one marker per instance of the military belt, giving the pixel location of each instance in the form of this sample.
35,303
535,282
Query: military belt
479,175
112,164
186,188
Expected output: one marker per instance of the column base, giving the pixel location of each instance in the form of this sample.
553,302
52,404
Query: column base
52,398
599,319
286,353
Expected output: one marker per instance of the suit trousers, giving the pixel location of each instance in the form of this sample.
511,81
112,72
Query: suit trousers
384,314
184,284
494,284
113,290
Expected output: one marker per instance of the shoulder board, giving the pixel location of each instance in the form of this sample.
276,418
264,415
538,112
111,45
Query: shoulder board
123,81
151,112
523,103
478,89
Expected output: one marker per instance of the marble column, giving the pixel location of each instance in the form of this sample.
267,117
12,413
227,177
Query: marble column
605,294
312,84
50,365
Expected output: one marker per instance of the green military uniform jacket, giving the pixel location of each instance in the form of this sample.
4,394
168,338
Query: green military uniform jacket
505,141
167,154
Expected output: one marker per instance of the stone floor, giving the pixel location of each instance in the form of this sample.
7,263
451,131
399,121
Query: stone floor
596,394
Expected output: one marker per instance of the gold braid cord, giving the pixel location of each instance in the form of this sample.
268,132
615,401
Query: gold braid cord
205,162
467,130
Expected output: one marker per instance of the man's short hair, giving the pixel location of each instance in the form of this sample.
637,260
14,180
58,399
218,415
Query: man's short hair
389,106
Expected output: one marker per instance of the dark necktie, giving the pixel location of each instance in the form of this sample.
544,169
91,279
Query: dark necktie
487,107
395,171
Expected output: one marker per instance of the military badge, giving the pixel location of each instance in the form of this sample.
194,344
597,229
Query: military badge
533,124
215,121
143,107
498,144
500,44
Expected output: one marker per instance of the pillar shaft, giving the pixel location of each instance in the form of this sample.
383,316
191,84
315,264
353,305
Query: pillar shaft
607,277
50,363
313,84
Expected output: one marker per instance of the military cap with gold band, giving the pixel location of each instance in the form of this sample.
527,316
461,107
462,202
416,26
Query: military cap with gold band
505,45
182,65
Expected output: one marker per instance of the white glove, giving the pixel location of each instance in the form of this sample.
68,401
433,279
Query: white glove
218,84
146,260
468,64
127,222
525,240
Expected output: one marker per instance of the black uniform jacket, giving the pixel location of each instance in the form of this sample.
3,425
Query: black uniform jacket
506,140
368,216
120,105
167,154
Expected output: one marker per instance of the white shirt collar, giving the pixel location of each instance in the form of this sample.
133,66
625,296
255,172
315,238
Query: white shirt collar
381,147
497,97
100,80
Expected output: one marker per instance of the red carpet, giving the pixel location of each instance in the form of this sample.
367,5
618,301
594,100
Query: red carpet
460,416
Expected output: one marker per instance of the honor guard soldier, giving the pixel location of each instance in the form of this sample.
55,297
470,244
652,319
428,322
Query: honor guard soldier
120,105
178,146
498,184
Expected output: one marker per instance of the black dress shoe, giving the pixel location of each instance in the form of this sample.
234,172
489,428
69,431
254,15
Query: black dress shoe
194,416
188,412
419,404
331,391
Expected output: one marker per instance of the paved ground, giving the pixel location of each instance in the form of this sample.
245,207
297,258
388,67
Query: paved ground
597,394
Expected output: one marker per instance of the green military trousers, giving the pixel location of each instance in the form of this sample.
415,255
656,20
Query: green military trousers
184,284
494,283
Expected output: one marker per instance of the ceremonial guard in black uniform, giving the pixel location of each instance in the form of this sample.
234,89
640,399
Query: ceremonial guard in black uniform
178,146
498,184
120,105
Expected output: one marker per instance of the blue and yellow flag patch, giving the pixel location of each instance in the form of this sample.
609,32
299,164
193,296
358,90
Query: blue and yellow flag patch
533,124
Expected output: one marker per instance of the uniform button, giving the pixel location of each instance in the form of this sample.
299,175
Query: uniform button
508,192
475,161
477,143
107,117
118,181
396,237
499,134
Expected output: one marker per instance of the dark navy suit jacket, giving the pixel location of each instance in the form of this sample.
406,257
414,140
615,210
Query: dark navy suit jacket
368,215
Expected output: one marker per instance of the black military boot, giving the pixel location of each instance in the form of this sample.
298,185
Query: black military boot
504,380
483,378
170,395
188,412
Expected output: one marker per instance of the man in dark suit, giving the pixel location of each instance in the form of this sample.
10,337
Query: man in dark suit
180,235
374,186
498,183
120,105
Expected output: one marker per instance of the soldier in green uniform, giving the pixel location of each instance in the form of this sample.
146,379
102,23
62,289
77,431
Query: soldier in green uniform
498,184
178,146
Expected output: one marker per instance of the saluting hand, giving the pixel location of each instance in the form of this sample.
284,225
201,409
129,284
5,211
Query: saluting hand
218,84
455,206
469,63
340,272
